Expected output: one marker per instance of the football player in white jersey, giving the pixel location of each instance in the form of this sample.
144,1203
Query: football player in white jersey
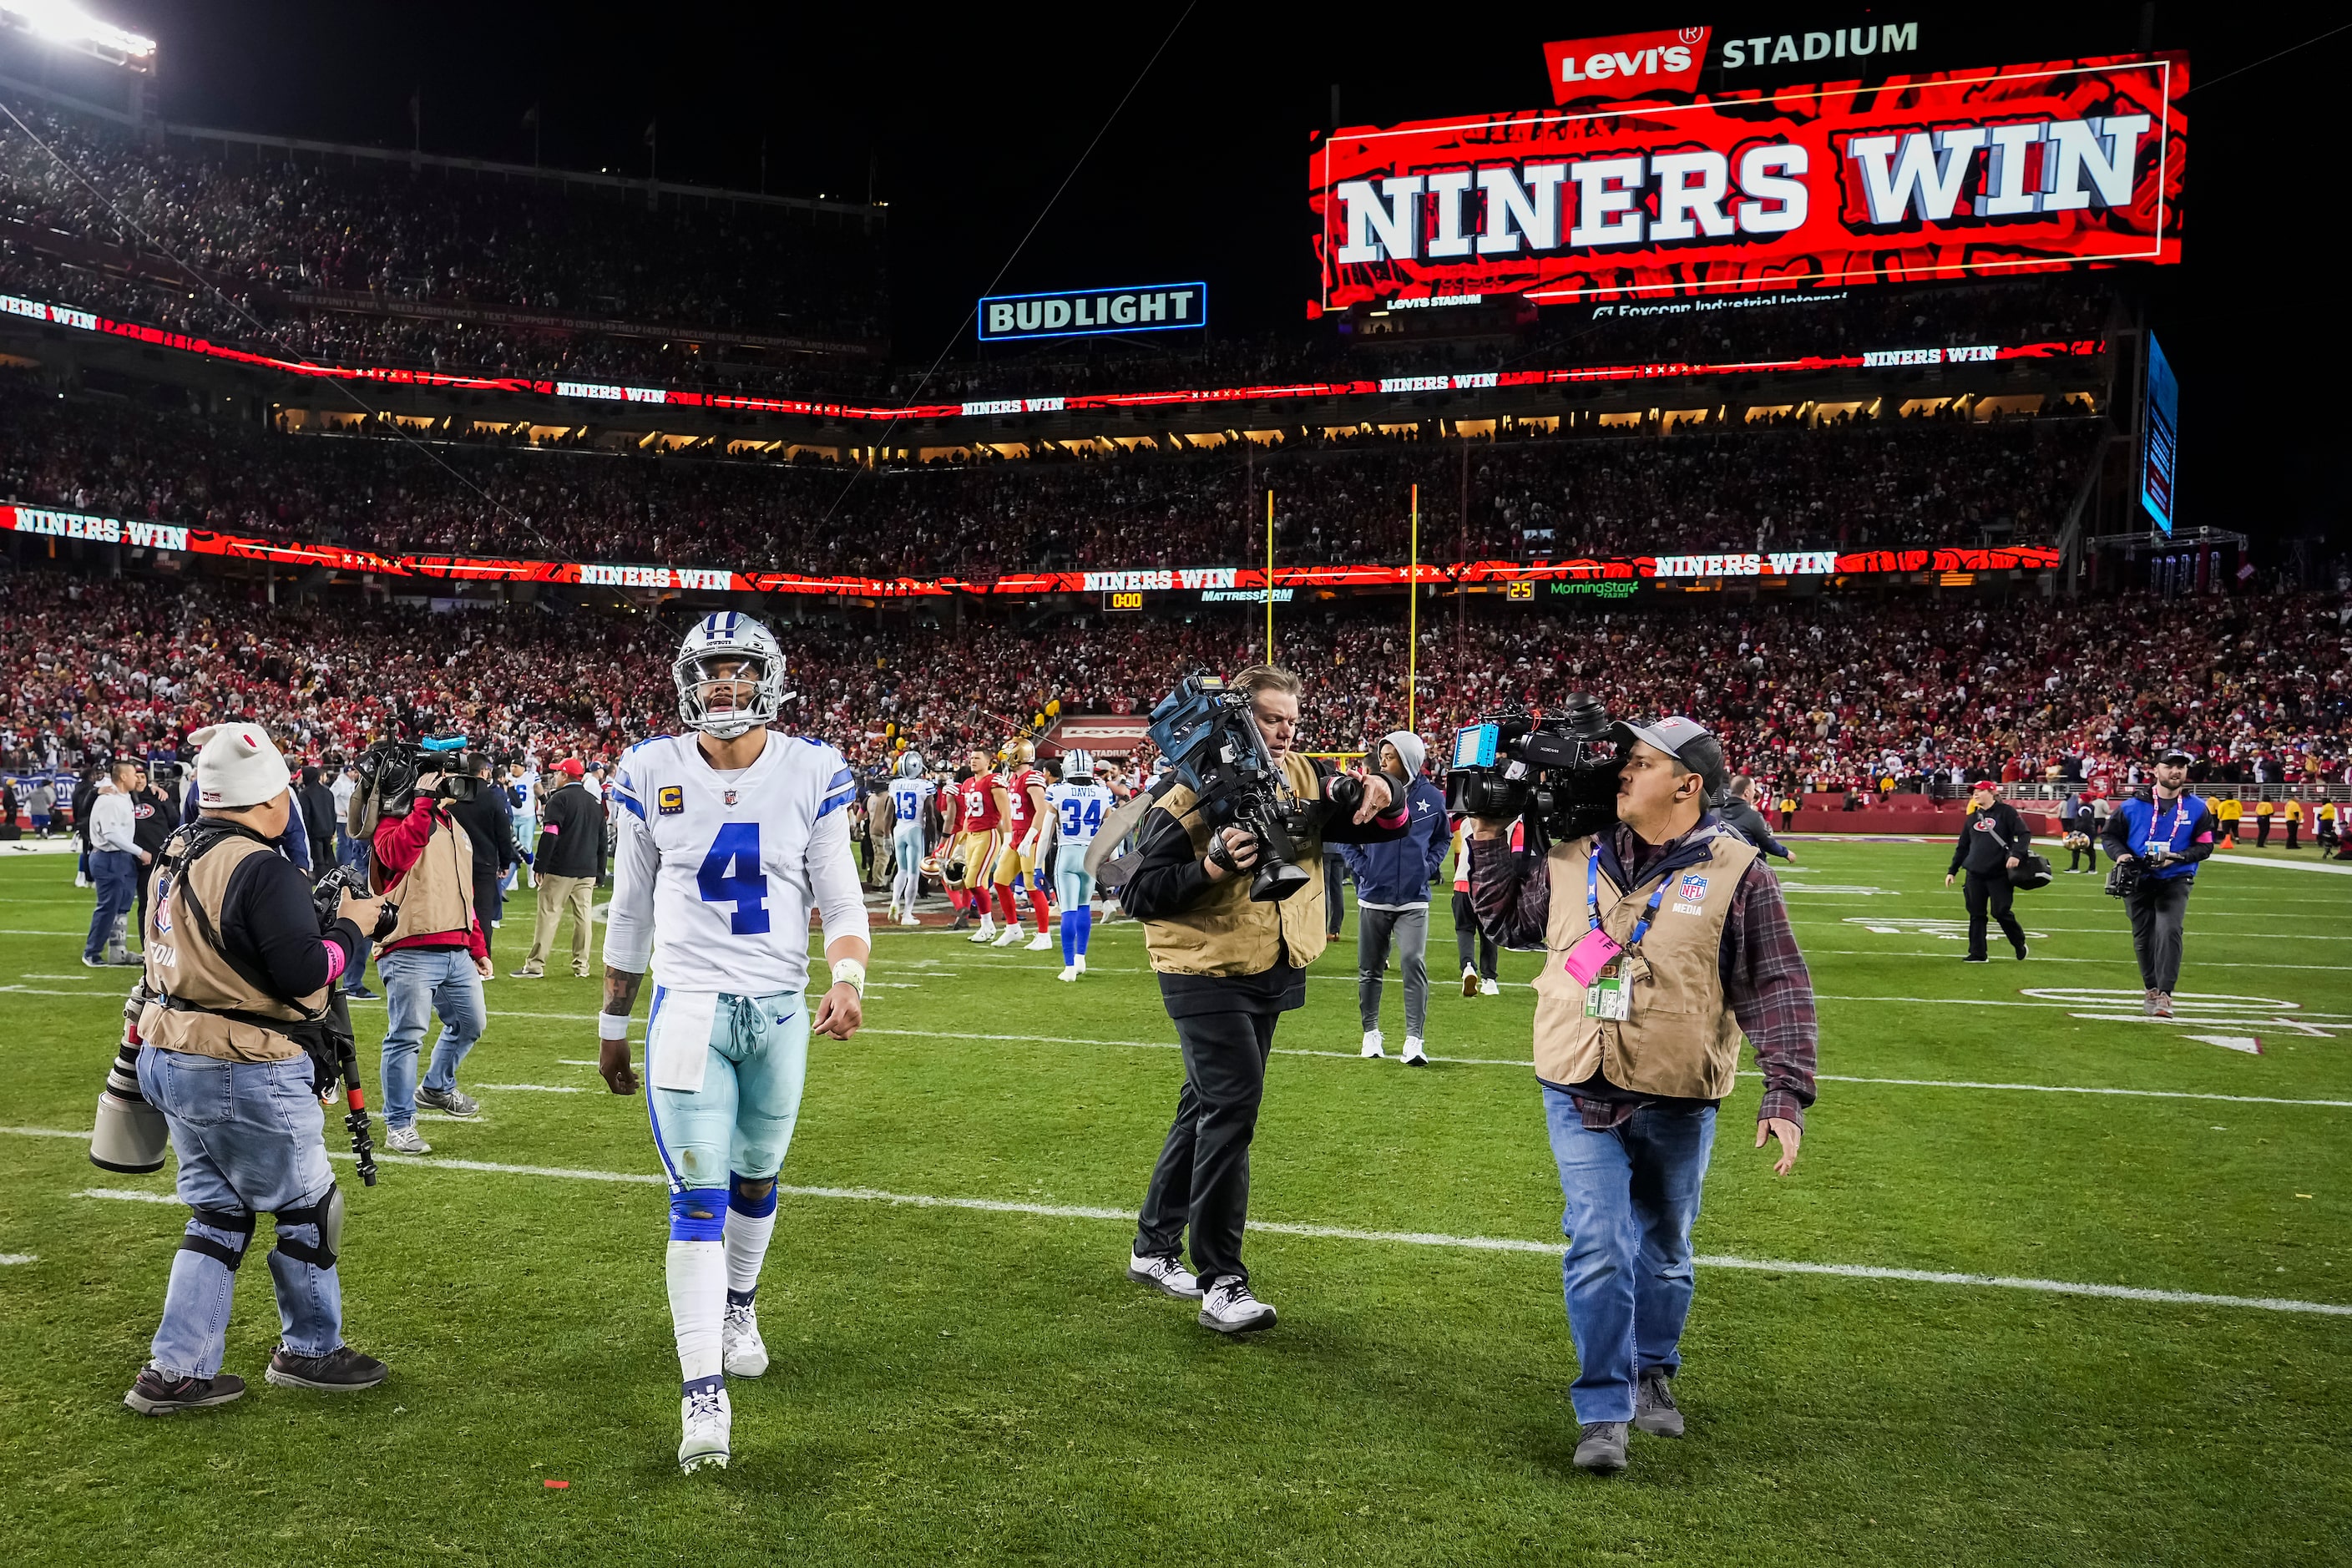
1074,810
728,835
911,804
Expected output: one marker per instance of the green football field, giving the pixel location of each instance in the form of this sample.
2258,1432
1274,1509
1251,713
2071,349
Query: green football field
1982,1322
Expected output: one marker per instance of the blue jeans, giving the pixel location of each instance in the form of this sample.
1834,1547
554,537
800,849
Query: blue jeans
419,982
1631,1195
349,851
248,1135
116,874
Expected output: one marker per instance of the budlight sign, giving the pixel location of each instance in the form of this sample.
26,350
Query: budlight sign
1089,312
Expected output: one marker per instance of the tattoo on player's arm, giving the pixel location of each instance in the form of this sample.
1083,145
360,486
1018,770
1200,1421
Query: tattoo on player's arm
621,990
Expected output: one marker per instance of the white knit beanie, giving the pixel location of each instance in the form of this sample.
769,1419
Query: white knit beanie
1410,751
237,766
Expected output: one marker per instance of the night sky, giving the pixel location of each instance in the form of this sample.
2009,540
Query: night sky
966,129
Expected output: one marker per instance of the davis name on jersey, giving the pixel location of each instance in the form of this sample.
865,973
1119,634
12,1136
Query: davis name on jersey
1078,811
907,798
727,870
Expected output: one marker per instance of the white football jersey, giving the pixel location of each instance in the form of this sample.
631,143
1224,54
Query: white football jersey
713,878
1078,812
907,798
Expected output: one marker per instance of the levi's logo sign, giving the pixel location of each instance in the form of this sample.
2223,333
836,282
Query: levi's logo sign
1627,65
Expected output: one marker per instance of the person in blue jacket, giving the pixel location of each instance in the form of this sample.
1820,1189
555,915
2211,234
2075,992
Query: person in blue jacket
2166,833
1392,881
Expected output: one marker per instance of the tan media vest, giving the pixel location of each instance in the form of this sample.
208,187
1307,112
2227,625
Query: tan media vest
436,894
1224,933
1682,1040
181,966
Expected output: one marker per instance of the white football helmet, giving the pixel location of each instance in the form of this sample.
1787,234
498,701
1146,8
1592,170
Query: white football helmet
911,764
706,699
1078,766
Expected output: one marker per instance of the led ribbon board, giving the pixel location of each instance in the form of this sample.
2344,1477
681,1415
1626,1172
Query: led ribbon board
1949,174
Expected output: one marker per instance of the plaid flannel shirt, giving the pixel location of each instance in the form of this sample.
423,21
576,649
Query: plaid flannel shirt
1764,977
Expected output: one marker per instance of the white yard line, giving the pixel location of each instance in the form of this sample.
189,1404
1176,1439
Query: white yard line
9,1258
1390,1238
529,1087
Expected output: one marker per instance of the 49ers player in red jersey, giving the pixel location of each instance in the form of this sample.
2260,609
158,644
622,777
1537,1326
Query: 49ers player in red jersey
1023,799
950,804
977,843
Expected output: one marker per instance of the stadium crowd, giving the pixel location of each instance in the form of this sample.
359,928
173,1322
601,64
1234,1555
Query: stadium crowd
1871,483
1821,693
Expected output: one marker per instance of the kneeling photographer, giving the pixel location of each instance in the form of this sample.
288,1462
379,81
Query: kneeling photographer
1226,877
1670,942
233,1047
435,958
2154,843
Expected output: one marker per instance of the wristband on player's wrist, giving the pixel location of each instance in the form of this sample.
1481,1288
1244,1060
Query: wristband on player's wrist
611,1025
849,972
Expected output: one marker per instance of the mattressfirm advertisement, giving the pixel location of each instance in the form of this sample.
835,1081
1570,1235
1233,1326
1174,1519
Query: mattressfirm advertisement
1958,173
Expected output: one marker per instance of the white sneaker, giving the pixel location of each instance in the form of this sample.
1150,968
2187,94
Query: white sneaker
910,920
986,932
1009,937
1414,1057
1040,942
706,1416
1372,1045
1488,988
1164,1274
408,1141
1069,972
741,1353
1230,1309
1469,980
1082,964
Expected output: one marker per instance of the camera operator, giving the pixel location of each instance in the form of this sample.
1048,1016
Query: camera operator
1993,841
1229,968
237,978
434,961
1634,1059
2155,841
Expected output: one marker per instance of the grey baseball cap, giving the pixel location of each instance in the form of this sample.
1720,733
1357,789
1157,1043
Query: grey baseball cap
1689,742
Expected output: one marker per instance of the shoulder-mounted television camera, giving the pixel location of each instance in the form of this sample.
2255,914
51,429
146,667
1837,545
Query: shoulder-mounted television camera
1210,736
388,771
1560,773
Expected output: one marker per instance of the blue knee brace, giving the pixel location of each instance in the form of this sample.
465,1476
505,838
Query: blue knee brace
697,1214
754,1197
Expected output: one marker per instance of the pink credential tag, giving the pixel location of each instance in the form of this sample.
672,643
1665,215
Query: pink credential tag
1593,948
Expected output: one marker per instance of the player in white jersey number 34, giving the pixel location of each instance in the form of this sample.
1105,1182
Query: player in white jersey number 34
729,834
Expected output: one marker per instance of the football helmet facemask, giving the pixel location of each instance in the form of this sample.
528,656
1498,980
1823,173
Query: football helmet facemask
723,654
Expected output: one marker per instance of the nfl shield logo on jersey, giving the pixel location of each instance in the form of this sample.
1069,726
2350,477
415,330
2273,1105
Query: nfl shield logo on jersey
163,905
731,797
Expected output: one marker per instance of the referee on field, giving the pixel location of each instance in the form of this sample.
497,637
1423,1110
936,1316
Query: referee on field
1991,843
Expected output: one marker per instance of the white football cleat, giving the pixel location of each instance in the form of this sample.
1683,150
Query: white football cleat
1414,1057
1082,964
1488,988
1372,1044
1040,942
1164,1274
987,931
1230,1309
910,919
1008,937
1069,972
742,1353
706,1416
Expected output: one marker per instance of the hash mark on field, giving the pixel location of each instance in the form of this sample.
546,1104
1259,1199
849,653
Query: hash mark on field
8,1259
1410,1238
128,1195
530,1087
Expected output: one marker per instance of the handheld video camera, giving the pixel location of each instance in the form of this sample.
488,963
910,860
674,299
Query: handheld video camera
390,770
1560,773
1211,742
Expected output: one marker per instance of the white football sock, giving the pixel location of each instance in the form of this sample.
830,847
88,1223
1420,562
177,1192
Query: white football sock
697,1302
747,1248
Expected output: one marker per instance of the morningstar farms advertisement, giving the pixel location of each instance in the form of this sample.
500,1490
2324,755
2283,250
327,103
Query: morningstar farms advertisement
1943,175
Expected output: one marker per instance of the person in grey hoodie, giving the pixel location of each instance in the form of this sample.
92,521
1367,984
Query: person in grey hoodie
1392,881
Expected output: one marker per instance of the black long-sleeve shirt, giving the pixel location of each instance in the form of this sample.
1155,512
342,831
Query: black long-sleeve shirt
1988,840
267,926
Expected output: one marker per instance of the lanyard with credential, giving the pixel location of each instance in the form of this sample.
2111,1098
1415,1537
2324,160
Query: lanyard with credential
1592,901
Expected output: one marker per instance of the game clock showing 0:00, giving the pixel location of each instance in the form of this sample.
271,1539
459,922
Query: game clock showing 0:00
1122,601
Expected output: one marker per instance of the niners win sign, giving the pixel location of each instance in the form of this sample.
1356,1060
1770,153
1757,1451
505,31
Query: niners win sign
2019,168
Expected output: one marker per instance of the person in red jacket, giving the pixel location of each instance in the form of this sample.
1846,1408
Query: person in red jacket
434,961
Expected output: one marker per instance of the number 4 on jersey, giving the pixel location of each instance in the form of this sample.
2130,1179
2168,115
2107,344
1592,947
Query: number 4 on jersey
730,874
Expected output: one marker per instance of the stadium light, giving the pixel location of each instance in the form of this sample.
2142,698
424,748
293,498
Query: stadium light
62,21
